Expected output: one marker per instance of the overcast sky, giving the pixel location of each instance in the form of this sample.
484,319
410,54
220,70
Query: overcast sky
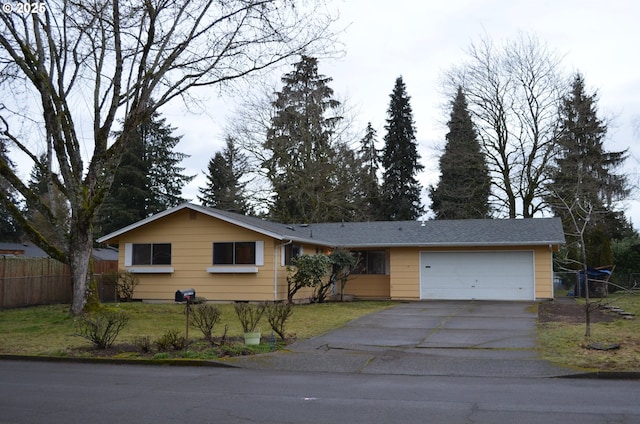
419,40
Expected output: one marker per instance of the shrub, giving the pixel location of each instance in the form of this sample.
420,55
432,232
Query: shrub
198,300
101,327
126,285
249,315
277,314
306,271
172,339
204,317
143,343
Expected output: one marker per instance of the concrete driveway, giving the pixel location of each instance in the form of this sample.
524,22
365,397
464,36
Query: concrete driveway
465,338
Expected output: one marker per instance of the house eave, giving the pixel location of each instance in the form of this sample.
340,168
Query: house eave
449,245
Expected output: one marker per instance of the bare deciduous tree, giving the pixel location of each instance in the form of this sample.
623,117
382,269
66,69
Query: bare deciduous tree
513,93
77,68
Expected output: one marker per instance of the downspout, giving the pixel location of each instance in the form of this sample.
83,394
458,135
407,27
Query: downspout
553,275
276,250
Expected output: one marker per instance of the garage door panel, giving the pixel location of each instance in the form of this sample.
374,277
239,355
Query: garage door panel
477,275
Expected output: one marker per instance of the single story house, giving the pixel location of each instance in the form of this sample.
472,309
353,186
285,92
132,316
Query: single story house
28,250
23,250
226,256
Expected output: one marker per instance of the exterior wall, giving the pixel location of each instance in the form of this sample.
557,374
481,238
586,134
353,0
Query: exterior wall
543,260
405,273
364,286
405,269
191,235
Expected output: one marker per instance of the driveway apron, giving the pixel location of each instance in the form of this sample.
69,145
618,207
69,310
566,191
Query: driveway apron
463,338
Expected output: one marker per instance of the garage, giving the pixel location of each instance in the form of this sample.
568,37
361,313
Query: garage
504,275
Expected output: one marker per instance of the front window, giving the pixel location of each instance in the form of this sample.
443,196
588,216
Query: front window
151,254
291,251
370,262
234,253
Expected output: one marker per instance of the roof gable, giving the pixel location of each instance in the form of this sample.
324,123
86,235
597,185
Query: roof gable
272,229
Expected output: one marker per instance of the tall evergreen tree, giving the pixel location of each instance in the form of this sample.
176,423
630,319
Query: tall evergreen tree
10,230
369,189
50,195
303,154
225,188
149,178
400,159
166,176
126,202
464,186
584,183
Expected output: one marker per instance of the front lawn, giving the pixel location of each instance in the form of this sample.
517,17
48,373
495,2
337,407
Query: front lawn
561,335
49,330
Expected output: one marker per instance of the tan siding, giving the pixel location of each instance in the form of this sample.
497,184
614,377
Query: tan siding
192,241
368,286
543,260
192,253
405,273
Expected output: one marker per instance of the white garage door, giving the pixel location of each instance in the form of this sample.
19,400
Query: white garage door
477,275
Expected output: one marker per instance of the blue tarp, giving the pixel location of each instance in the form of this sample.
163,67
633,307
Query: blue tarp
597,278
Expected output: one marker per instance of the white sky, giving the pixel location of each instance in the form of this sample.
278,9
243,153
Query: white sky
421,39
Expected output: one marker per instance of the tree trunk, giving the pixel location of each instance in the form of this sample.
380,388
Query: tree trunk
80,249
587,302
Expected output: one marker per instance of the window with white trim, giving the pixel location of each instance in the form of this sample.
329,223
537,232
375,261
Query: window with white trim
291,251
151,254
238,253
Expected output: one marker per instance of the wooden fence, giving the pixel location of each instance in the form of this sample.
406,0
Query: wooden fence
43,281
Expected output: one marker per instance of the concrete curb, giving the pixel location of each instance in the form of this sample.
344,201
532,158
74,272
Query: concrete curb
605,375
117,361
596,375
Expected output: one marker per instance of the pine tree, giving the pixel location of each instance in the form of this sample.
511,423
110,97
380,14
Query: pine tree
49,195
304,155
10,230
166,176
369,189
584,186
225,188
400,159
126,202
465,185
149,178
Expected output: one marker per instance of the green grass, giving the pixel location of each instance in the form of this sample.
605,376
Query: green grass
566,345
49,330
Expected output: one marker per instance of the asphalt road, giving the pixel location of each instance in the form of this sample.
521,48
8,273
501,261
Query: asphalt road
47,392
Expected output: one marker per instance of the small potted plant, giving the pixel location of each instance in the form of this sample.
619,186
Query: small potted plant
249,316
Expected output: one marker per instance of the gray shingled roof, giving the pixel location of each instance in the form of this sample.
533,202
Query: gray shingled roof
468,232
30,250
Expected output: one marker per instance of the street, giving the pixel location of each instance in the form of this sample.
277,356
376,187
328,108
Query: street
60,392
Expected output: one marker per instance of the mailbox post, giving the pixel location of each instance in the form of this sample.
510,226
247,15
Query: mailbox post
186,296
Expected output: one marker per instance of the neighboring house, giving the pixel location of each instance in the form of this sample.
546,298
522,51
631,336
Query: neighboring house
28,250
227,257
23,250
105,254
